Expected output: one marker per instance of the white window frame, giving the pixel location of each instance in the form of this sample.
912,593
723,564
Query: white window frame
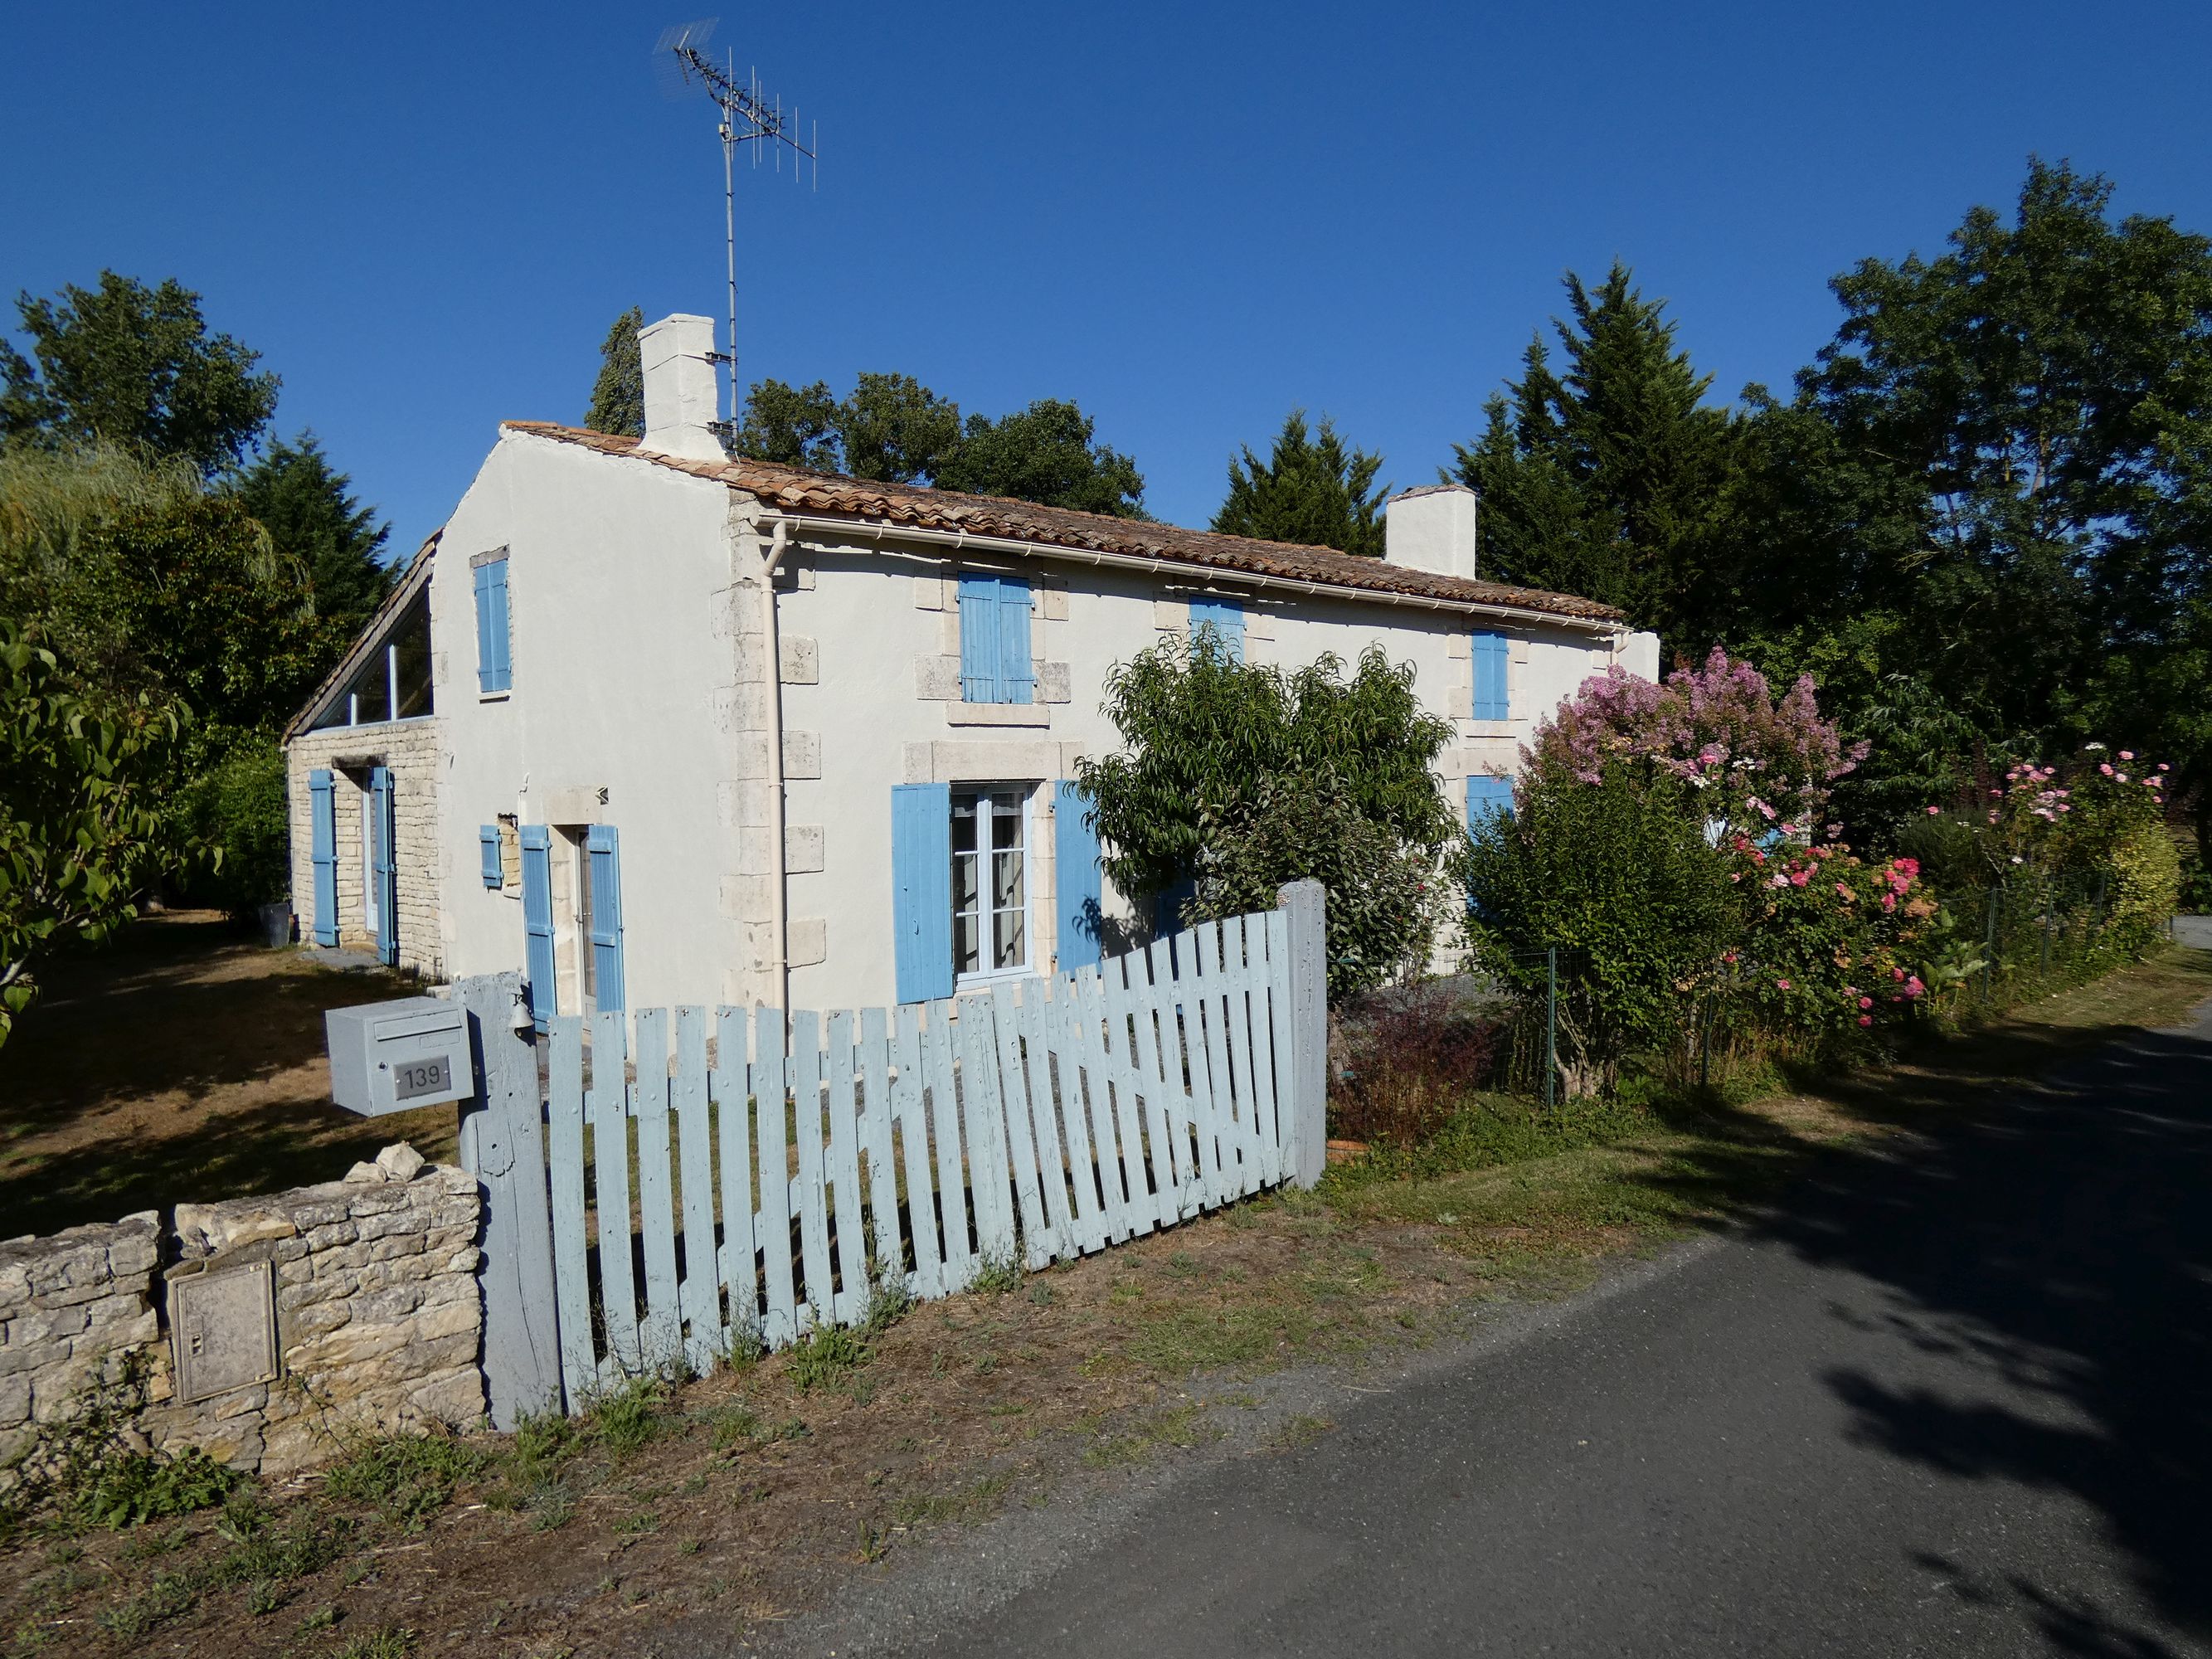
1024,968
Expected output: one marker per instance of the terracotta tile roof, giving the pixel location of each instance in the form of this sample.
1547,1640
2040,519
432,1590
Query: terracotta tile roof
794,490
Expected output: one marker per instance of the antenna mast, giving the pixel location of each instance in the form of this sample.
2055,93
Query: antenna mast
747,117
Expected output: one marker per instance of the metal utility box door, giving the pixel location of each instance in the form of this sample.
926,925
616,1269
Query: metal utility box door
395,1056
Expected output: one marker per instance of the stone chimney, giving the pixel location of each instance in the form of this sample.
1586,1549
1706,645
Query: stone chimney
680,394
1431,529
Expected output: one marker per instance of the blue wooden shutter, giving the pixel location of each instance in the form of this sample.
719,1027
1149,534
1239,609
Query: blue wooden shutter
601,852
1076,879
383,867
1488,796
322,849
494,671
1492,653
488,844
1226,618
537,920
1017,672
978,644
921,889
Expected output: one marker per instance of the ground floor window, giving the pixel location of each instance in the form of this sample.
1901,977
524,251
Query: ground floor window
990,879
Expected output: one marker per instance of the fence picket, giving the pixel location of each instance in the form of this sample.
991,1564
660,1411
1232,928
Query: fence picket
1162,1076
608,1104
1045,1121
1209,1086
1241,946
1063,1018
564,1147
876,1142
1140,1207
912,1111
812,1183
983,1117
769,1072
728,1086
662,1333
700,1290
1021,1127
848,1235
944,1125
1271,1015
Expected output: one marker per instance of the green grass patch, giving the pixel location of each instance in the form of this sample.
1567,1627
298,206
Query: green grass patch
967,1503
408,1478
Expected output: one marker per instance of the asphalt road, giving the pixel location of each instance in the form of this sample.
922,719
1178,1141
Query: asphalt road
1953,1396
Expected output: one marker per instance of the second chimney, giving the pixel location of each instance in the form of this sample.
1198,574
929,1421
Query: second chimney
680,394
1431,529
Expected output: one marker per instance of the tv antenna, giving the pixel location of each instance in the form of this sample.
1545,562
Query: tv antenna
747,119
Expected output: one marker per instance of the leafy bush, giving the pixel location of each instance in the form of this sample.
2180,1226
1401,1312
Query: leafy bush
1382,892
239,807
2145,886
1618,877
1203,733
1406,1059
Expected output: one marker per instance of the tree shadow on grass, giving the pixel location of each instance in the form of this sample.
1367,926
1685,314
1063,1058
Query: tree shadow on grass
2055,1237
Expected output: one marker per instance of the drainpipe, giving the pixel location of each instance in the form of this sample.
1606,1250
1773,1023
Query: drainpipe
779,923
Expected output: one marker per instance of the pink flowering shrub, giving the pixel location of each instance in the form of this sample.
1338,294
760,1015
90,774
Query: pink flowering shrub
1754,763
1830,941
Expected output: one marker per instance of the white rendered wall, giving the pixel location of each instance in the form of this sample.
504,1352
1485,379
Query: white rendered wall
618,586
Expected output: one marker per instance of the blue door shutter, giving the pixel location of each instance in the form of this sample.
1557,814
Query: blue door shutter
1488,796
995,640
1226,618
1076,879
382,868
1492,653
921,889
323,850
538,921
602,853
494,669
488,844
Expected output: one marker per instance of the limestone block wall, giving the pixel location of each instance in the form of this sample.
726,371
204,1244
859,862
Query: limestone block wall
379,1323
413,750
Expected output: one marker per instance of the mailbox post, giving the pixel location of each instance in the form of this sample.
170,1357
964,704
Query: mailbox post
417,1051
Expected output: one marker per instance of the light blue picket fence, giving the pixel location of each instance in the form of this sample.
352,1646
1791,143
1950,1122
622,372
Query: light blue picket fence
757,1177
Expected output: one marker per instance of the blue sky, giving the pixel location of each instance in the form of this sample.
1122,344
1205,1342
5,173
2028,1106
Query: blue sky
1189,218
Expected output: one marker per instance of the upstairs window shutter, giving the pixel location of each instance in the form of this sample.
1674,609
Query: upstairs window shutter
603,853
1492,653
995,640
1488,797
537,920
323,851
922,890
494,876
494,671
1226,618
1076,879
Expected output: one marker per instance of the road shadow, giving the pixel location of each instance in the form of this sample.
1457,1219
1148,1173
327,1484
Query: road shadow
2056,1237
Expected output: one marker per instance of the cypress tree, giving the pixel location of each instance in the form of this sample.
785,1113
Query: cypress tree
618,394
1311,489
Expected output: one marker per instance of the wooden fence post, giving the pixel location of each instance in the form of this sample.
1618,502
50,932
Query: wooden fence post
1305,1117
502,1145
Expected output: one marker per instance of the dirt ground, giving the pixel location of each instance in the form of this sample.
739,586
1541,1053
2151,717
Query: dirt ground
718,1509
184,1063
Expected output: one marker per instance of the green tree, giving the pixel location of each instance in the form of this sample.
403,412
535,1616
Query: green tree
1201,733
126,364
793,425
893,430
1046,454
1607,481
2045,386
618,393
313,518
1311,489
80,837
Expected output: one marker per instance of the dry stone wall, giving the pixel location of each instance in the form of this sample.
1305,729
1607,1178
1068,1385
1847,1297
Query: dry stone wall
379,1323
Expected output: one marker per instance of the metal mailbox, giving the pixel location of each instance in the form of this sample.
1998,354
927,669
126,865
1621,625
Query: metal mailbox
395,1056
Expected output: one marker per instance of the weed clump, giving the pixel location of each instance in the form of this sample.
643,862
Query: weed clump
408,1477
825,1356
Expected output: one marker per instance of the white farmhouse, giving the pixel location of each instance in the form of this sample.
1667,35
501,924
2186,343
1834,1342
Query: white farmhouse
657,724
